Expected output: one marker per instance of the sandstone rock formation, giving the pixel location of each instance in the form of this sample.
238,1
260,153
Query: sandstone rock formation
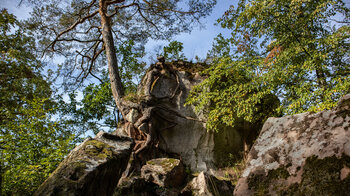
92,168
177,129
303,154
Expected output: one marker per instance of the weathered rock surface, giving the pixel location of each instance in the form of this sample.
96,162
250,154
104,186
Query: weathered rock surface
303,154
188,137
181,130
165,172
207,185
92,168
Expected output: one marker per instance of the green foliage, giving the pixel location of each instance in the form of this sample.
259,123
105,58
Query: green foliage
32,147
174,51
96,110
31,143
297,50
19,70
232,92
305,51
20,77
130,68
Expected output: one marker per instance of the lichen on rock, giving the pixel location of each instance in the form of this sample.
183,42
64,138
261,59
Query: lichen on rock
303,154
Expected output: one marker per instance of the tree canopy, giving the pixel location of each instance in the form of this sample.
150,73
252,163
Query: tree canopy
31,142
74,29
296,50
174,51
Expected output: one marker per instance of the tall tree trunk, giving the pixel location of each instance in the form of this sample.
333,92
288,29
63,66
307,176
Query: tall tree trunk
118,91
116,84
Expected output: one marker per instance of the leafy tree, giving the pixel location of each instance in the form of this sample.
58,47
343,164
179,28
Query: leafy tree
174,51
31,143
82,31
32,147
20,71
297,50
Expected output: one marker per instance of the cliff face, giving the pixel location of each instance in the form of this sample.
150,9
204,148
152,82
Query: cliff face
180,131
186,135
303,154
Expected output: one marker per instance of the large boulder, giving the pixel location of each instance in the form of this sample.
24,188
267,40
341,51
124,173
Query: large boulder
92,168
303,154
165,172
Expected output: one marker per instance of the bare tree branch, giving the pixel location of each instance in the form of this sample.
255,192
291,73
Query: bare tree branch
114,2
80,21
166,9
92,61
338,21
148,21
116,8
78,40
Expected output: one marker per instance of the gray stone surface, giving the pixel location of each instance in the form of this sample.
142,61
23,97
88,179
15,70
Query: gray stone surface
189,137
165,172
92,168
181,131
132,116
291,154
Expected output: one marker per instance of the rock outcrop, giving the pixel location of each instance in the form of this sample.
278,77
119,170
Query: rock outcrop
303,154
92,168
181,130
177,129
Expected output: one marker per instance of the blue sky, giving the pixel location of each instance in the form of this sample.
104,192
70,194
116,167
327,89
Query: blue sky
198,42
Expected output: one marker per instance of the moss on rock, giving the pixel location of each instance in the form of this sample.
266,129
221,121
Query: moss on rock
322,177
78,170
167,164
319,177
261,183
98,150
